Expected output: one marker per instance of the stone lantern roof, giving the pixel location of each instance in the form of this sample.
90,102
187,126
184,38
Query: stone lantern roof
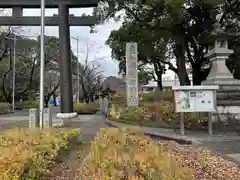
220,34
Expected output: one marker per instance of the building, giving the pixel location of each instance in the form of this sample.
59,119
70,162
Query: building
167,82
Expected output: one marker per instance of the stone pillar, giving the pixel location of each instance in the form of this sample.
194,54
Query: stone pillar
101,103
132,74
65,60
105,102
34,118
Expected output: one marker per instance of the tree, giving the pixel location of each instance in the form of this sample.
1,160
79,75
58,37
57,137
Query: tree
27,62
52,67
185,24
144,77
28,69
90,77
151,50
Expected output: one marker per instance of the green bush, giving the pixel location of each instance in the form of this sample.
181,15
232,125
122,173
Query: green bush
119,98
157,96
148,97
166,96
5,108
31,104
86,108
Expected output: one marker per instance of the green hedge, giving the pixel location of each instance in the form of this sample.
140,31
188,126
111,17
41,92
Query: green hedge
86,108
5,108
119,98
157,96
31,104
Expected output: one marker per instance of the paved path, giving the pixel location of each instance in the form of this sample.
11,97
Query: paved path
230,148
89,124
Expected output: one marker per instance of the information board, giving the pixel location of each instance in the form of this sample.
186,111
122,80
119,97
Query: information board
194,100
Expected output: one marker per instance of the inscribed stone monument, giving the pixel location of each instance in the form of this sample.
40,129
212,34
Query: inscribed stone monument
132,74
47,118
33,118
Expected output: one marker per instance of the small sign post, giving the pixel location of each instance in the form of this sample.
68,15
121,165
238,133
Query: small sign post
195,99
105,100
101,103
33,118
47,118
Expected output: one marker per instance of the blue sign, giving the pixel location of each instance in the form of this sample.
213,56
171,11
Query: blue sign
52,101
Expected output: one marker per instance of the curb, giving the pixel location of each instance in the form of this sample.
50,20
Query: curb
179,140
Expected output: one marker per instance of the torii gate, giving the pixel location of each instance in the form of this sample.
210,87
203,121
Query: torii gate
63,21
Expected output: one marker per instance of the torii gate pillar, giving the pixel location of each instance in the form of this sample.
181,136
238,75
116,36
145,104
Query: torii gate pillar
65,60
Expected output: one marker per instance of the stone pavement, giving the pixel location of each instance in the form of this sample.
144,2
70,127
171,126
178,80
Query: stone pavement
225,144
89,124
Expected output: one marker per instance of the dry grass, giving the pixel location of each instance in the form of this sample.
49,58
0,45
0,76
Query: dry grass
28,153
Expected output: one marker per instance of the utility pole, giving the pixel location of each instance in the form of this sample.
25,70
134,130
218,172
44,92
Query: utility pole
13,71
78,73
14,74
42,65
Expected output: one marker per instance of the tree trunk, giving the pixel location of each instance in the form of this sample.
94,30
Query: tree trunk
197,76
158,68
181,65
160,86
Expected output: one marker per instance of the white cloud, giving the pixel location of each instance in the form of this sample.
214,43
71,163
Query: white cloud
108,66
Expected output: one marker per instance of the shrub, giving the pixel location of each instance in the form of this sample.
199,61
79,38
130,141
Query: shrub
30,153
31,104
161,114
84,108
5,108
158,96
119,98
166,96
124,154
19,106
148,97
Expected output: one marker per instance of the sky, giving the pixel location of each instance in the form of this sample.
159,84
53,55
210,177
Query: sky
96,41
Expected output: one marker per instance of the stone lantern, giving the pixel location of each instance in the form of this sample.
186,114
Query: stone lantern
228,96
218,52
